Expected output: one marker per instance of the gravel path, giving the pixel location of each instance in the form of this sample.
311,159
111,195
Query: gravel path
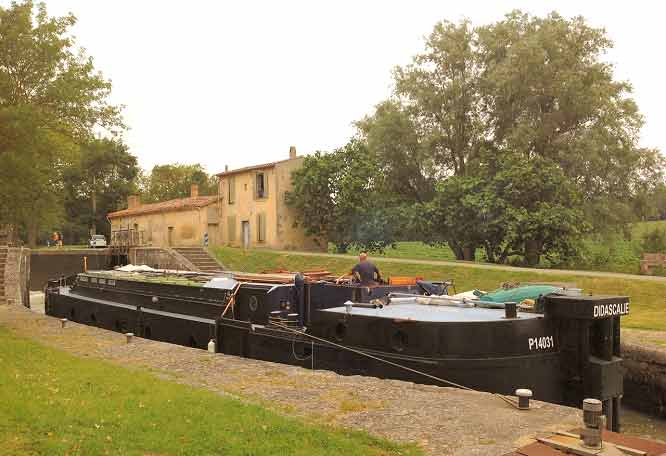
472,264
652,340
443,421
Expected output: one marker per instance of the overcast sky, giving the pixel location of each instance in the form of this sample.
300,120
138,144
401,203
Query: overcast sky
238,82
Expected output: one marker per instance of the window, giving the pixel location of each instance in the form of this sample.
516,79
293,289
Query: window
260,186
232,189
261,227
212,215
231,224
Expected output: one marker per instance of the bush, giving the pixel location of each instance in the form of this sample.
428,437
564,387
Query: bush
655,241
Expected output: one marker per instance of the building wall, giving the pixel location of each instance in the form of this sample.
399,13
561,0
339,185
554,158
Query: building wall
247,208
279,219
288,236
188,226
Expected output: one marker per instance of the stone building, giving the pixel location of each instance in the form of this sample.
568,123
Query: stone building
249,211
253,207
179,222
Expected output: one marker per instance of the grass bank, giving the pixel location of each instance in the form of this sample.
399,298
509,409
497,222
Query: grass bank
54,403
610,253
648,299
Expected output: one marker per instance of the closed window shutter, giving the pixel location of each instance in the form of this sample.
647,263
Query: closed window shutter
232,189
261,227
231,222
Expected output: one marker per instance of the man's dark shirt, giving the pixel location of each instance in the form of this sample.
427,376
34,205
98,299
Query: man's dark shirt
366,270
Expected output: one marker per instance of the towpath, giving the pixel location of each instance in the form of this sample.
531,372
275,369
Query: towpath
472,264
443,421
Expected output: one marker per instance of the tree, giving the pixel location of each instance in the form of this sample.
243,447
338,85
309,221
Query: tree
51,99
337,197
167,182
98,183
528,104
540,212
549,96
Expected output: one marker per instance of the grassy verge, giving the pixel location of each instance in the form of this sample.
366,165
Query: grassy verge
54,403
648,299
611,253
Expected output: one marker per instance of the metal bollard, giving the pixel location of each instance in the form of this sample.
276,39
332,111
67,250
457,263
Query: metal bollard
594,423
63,322
524,396
211,346
510,310
129,337
348,307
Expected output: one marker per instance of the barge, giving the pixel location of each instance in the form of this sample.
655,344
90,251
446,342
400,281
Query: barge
562,345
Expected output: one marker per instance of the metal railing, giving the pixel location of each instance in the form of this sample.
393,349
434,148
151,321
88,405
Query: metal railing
127,238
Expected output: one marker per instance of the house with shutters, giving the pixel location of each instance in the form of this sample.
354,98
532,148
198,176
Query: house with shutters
249,211
182,222
254,210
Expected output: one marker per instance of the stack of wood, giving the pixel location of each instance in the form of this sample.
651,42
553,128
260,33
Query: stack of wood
281,276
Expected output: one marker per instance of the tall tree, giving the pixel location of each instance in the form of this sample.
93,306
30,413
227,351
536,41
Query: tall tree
481,105
51,99
337,198
166,182
98,183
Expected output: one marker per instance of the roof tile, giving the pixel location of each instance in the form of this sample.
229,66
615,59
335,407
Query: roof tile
166,206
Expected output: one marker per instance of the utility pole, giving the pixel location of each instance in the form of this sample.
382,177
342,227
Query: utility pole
93,228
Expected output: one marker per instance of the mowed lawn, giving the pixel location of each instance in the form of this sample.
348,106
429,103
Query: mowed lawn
53,403
648,298
611,253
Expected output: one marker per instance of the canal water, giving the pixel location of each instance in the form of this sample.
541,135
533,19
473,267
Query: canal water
643,425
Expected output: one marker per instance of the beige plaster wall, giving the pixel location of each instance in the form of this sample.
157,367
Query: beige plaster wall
189,226
246,208
280,233
288,236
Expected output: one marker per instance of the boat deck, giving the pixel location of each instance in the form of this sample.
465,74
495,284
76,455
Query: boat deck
431,313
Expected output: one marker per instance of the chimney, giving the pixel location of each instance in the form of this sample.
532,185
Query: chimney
292,152
226,168
133,201
194,190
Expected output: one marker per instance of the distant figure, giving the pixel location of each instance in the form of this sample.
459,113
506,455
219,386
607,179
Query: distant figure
364,272
205,239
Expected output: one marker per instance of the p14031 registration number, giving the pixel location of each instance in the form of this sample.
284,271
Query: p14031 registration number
541,343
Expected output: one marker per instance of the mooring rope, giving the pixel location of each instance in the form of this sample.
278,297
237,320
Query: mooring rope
400,366
232,302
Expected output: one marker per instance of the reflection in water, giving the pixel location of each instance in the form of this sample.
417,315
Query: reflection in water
643,425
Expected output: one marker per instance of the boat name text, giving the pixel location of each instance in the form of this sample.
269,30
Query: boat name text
611,310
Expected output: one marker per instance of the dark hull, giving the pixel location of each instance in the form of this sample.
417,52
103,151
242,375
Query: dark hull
581,359
540,372
500,375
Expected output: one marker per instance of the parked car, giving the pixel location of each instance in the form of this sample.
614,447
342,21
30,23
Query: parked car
97,240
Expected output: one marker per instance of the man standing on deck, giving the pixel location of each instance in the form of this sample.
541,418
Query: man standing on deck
364,272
